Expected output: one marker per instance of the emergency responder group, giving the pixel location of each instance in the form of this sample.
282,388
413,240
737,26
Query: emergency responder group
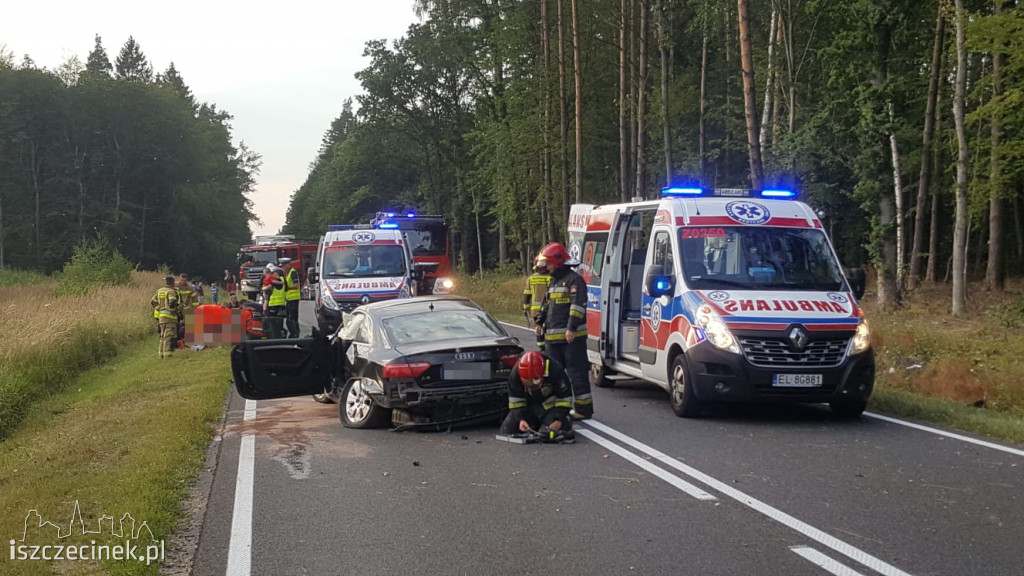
555,299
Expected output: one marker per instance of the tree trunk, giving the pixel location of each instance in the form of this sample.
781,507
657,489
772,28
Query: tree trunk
897,187
548,203
994,277
702,144
884,251
1016,222
749,100
769,89
665,64
578,72
959,230
641,106
564,114
623,107
1,233
933,229
926,143
502,242
142,227
634,83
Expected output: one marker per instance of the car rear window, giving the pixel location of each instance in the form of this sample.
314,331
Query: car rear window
440,325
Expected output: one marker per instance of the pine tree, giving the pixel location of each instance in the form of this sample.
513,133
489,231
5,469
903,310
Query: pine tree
131,63
98,62
173,79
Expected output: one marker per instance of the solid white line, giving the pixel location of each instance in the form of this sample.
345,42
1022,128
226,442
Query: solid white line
811,532
946,434
670,478
240,545
510,325
819,559
250,411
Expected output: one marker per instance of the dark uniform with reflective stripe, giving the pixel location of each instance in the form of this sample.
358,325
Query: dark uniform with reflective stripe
539,406
565,310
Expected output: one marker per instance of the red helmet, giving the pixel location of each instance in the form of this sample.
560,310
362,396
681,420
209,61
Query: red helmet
531,365
555,253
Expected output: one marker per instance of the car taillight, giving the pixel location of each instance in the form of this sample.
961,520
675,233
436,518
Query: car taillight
405,369
510,359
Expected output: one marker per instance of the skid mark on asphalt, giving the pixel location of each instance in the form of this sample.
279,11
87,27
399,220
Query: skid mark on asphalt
295,459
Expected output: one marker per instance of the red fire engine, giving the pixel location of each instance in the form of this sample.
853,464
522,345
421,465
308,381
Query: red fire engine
253,259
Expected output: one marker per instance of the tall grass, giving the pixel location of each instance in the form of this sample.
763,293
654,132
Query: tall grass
47,340
12,277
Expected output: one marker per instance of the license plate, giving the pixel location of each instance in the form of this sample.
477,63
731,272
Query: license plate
466,371
797,380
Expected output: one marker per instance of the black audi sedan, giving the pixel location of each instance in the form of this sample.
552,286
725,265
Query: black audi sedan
431,361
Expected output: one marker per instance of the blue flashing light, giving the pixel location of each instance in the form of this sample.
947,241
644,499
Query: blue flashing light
410,215
388,225
676,191
661,284
778,194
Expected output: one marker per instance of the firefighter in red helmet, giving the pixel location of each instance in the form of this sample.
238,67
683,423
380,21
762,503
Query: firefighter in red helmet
563,323
539,399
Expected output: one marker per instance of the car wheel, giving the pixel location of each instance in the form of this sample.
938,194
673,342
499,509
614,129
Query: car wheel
684,403
357,409
848,408
323,398
599,376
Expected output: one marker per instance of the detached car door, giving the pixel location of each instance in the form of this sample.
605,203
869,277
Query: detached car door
265,369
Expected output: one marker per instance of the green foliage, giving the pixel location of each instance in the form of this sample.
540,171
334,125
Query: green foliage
94,264
1012,316
13,277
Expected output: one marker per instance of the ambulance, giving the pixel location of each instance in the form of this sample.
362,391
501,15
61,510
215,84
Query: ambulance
359,264
724,295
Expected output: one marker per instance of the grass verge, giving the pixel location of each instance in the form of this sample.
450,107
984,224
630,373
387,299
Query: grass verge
967,373
126,437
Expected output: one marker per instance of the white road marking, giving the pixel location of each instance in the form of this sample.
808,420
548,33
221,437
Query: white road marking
819,559
240,546
807,530
667,477
946,434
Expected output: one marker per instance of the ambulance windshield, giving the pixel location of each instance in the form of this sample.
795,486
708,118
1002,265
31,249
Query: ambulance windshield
758,258
363,261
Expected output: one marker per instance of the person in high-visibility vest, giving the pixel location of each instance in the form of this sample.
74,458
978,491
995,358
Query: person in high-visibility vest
274,309
186,302
165,307
292,295
533,297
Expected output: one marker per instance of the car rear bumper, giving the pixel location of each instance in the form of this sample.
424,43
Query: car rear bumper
409,395
718,375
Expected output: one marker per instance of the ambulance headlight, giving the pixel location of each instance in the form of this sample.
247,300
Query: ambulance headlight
717,331
862,339
329,302
443,285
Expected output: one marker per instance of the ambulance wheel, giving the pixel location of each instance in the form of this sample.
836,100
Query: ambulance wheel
357,409
848,409
599,376
684,403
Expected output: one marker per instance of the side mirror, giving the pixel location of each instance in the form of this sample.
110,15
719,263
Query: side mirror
312,275
658,283
857,280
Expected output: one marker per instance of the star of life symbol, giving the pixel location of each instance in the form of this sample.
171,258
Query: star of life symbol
655,315
575,250
718,295
836,297
746,212
363,237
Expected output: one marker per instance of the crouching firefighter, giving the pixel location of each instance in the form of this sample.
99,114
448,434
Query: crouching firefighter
165,308
539,399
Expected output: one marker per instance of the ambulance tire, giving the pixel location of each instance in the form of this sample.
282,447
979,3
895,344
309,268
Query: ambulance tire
848,409
598,376
684,402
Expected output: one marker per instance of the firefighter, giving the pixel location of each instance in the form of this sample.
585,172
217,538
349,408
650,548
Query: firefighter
533,297
292,295
563,324
539,399
165,306
186,302
274,304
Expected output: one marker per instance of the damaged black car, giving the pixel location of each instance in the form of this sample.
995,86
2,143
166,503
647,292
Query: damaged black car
426,362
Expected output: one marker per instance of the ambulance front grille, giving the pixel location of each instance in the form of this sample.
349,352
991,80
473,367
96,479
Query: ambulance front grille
778,352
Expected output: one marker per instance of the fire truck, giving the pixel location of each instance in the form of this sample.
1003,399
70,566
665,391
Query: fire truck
253,259
723,295
430,240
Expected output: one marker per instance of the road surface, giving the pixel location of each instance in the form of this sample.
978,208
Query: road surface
745,491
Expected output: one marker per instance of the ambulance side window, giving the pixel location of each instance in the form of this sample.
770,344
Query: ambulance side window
663,255
593,259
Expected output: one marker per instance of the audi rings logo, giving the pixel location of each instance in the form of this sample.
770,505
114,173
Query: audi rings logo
718,296
836,297
465,356
363,237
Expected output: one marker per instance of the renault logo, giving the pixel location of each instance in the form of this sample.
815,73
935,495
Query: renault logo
365,299
798,338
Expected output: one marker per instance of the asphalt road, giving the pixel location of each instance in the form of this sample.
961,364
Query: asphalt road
744,491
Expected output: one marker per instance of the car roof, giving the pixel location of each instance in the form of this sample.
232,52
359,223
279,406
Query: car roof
401,306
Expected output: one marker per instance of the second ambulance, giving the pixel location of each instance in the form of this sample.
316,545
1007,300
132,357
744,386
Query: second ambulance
722,295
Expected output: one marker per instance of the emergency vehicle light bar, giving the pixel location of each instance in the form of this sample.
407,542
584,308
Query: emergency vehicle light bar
349,227
387,225
776,193
674,191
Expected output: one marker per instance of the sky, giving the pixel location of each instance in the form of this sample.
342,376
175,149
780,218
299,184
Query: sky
282,69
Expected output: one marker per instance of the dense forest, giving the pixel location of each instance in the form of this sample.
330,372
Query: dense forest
899,120
115,152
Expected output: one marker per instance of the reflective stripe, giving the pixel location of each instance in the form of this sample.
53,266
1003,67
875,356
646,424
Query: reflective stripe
558,290
575,313
586,396
555,331
563,404
514,405
576,308
585,401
